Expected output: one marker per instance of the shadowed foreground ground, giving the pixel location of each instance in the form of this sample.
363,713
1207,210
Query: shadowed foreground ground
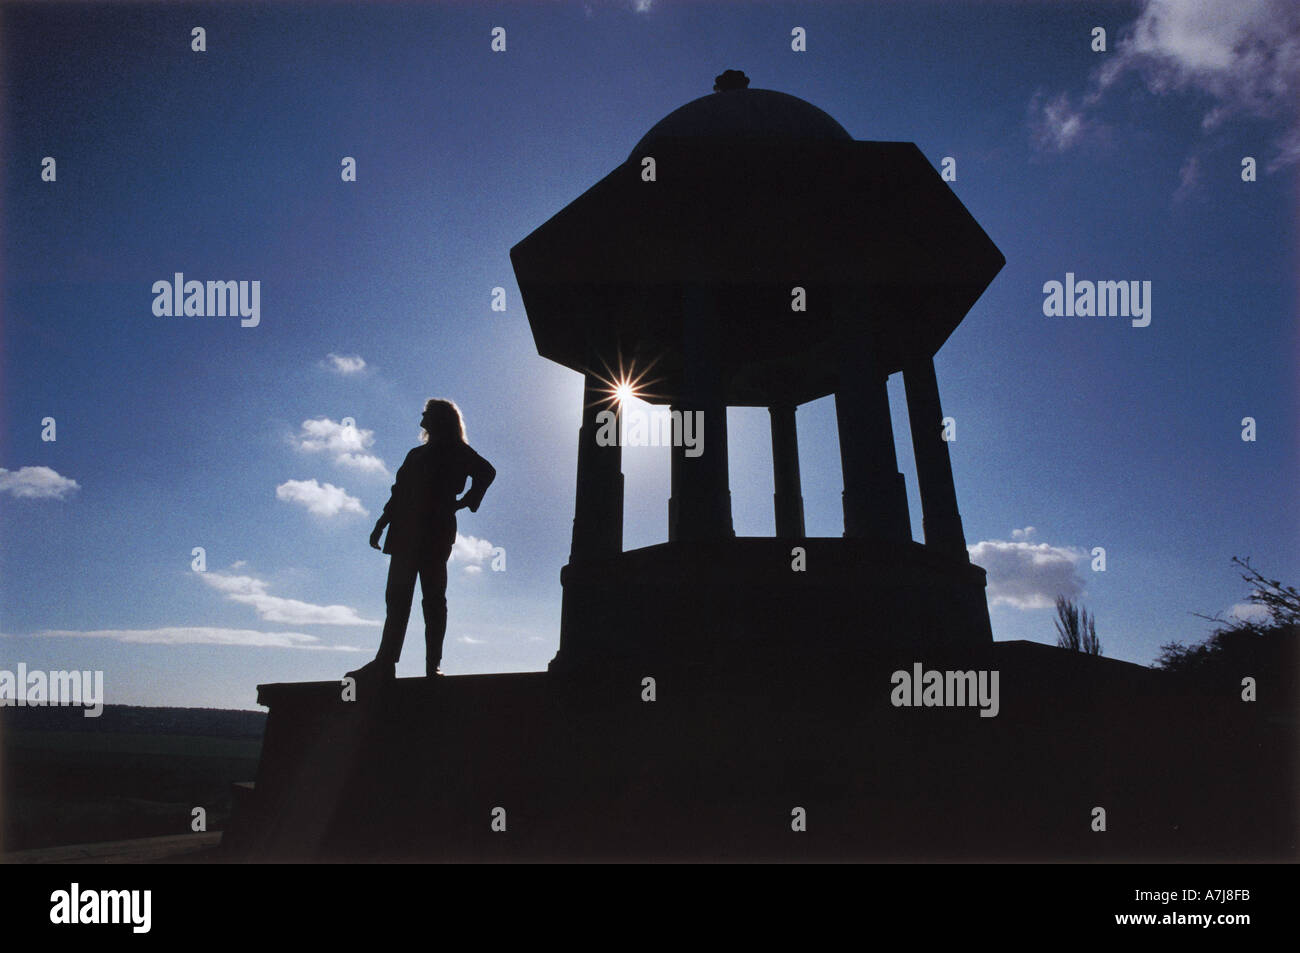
130,773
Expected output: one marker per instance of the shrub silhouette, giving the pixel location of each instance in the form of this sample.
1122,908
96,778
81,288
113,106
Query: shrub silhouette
1265,648
1075,628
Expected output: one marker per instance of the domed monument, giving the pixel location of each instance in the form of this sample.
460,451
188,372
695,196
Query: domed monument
717,697
750,252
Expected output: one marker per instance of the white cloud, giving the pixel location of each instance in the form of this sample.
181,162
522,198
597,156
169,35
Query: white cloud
1054,124
365,462
202,635
36,483
1023,534
324,435
346,364
1188,177
472,551
1288,149
643,6
1250,612
346,442
1243,56
321,499
251,591
468,640
1028,575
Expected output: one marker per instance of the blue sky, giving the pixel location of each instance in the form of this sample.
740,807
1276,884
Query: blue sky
179,432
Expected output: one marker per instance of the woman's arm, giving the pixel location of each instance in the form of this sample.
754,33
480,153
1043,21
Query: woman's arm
378,531
481,475
386,517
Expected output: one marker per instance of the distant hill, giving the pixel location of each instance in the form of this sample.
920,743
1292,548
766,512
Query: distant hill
131,772
133,719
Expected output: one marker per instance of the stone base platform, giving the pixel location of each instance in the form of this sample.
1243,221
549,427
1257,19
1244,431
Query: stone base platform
718,766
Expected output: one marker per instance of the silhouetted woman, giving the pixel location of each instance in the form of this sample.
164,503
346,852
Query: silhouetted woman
421,520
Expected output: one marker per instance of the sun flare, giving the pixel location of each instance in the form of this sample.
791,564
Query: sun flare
624,383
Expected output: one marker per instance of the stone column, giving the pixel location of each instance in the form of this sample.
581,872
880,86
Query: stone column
700,507
875,500
788,498
943,529
598,508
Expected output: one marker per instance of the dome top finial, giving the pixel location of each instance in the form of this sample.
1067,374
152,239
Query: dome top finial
729,80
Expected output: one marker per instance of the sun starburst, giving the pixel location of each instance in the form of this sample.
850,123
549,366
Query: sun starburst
626,382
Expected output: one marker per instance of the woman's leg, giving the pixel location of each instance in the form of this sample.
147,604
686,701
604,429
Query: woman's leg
402,571
433,590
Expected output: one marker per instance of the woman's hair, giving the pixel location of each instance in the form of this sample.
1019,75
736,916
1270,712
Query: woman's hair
448,423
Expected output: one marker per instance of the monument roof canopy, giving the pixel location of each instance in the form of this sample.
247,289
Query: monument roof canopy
755,193
763,113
